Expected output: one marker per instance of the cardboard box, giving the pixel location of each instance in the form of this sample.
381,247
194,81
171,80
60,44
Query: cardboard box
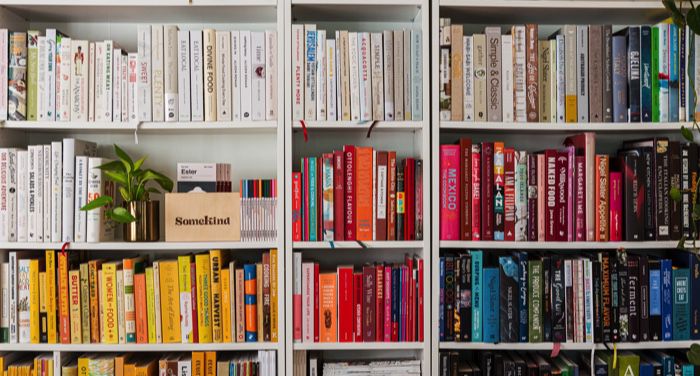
199,217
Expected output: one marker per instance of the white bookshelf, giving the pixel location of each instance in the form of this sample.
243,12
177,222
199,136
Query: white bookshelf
165,143
407,138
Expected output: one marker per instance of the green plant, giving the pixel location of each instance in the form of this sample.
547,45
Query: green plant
132,180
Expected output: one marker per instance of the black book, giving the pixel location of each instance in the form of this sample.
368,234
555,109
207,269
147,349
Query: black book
476,370
614,300
634,301
508,303
488,368
674,154
634,73
623,296
454,363
606,295
644,298
633,201
689,170
693,167
547,297
544,366
645,57
499,366
569,299
449,298
465,288
607,74
457,318
597,312
558,300
532,369
655,302
520,364
508,366
522,296
444,363
648,182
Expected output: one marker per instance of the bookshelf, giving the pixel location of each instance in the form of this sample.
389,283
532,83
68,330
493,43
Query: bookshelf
407,138
165,143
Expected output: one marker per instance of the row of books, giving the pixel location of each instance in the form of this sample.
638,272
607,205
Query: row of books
604,363
175,75
382,302
603,297
492,192
581,73
202,298
358,193
312,363
358,76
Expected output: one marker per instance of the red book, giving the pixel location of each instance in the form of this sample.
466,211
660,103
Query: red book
296,206
615,206
509,194
476,192
418,198
570,182
487,191
533,196
338,196
421,300
585,147
193,296
550,195
316,302
391,197
357,303
140,304
349,152
345,301
542,197
387,303
368,304
561,219
450,192
580,198
379,303
305,195
465,196
410,292
381,177
410,189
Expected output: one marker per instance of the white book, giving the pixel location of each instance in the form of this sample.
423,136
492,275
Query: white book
51,74
63,80
125,87
407,73
4,207
157,79
183,75
170,79
42,82
561,78
108,77
39,189
4,48
388,75
258,74
507,77
321,66
98,228
79,80
91,81
582,72
307,305
5,295
236,75
468,77
12,316
32,193
12,176
22,195
246,76
184,366
338,77
80,216
143,87
156,300
71,149
365,77
588,294
56,184
121,320
100,56
552,80
664,68
298,85
46,192
331,80
223,76
116,85
23,300
310,72
296,275
377,68
132,86
398,75
354,61
197,75
519,83
271,75
209,65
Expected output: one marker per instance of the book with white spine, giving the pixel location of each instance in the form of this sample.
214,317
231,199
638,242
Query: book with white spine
91,81
39,188
365,77
63,80
322,95
4,207
80,216
552,80
246,76
125,87
22,195
298,85
170,78
12,175
518,33
388,75
71,148
236,75
407,73
507,77
377,68
353,65
46,192
561,78
5,294
582,72
12,283
258,73
51,35
398,75
56,186
4,48
664,70
116,85
223,76
310,72
23,313
157,78
131,85
343,59
331,80
42,82
98,228
338,74
143,88
209,63
197,75
271,75
183,75
100,56
32,215
109,81
468,79
79,64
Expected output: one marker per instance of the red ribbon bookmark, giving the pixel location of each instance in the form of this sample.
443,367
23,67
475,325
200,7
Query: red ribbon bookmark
303,128
556,347
64,248
371,127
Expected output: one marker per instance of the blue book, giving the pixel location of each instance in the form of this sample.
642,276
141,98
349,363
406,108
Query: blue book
673,88
687,369
477,299
645,369
442,299
655,303
666,300
645,54
681,304
249,274
522,294
490,311
667,363
395,295
313,225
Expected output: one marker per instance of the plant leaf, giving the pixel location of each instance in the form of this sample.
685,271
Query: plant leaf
676,13
125,194
125,158
693,356
159,178
675,194
121,215
98,203
693,20
118,177
687,133
112,166
139,163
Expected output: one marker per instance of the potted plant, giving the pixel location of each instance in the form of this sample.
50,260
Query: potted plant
138,213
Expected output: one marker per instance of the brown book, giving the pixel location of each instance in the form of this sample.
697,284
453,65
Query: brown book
465,150
368,306
381,194
391,196
240,306
93,267
457,85
531,73
479,77
602,174
494,110
595,73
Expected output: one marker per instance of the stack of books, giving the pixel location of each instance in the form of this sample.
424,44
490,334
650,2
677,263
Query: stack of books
365,367
592,298
358,76
358,193
581,73
175,75
258,210
201,298
489,191
380,303
22,364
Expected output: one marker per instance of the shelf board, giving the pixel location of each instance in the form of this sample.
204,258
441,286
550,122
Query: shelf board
547,346
558,245
359,346
141,246
142,127
356,245
356,10
381,126
511,127
164,347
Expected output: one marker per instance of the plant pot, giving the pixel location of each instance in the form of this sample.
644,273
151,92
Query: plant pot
146,228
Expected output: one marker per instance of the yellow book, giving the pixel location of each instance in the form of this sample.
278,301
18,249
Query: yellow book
215,266
226,305
203,297
83,366
571,108
109,303
146,368
259,299
183,266
42,308
150,306
197,363
210,363
74,299
273,295
169,301
50,259
85,302
130,369
34,327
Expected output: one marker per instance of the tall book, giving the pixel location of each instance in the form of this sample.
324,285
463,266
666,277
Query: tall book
143,86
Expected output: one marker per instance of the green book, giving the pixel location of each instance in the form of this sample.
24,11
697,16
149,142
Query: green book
628,364
534,286
655,74
681,304
32,73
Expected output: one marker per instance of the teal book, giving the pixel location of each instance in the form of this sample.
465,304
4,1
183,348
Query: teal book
477,274
491,307
535,314
313,209
687,369
681,304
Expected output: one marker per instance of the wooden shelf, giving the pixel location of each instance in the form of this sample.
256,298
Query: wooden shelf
132,347
557,245
141,246
338,346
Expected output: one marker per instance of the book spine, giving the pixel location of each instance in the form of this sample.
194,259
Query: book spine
377,78
595,72
519,74
4,50
487,182
196,75
476,190
570,71
298,84
416,75
183,75
493,72
532,197
615,199
634,73
521,196
662,166
144,74
508,92
51,39
354,66
675,172
531,74
465,193
619,50
673,70
535,329
509,194
398,75
389,108
498,192
258,74
157,73
602,198
223,76
209,69
480,81
310,55
322,76
561,78
449,187
582,72
664,71
332,79
271,75
23,295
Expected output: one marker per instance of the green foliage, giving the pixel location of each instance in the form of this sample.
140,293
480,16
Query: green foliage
694,354
132,182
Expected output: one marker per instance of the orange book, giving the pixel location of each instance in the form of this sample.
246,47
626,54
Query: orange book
94,267
141,313
130,369
63,302
51,291
327,306
602,168
197,363
146,368
210,363
364,196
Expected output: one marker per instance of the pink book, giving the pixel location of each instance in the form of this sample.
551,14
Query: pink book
615,206
580,198
449,192
305,177
420,300
404,300
585,146
379,303
571,152
307,305
387,303
541,178
476,192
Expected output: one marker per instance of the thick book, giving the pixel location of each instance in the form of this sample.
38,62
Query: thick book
465,188
595,73
71,149
450,184
491,316
582,72
480,82
508,299
531,75
493,73
634,73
